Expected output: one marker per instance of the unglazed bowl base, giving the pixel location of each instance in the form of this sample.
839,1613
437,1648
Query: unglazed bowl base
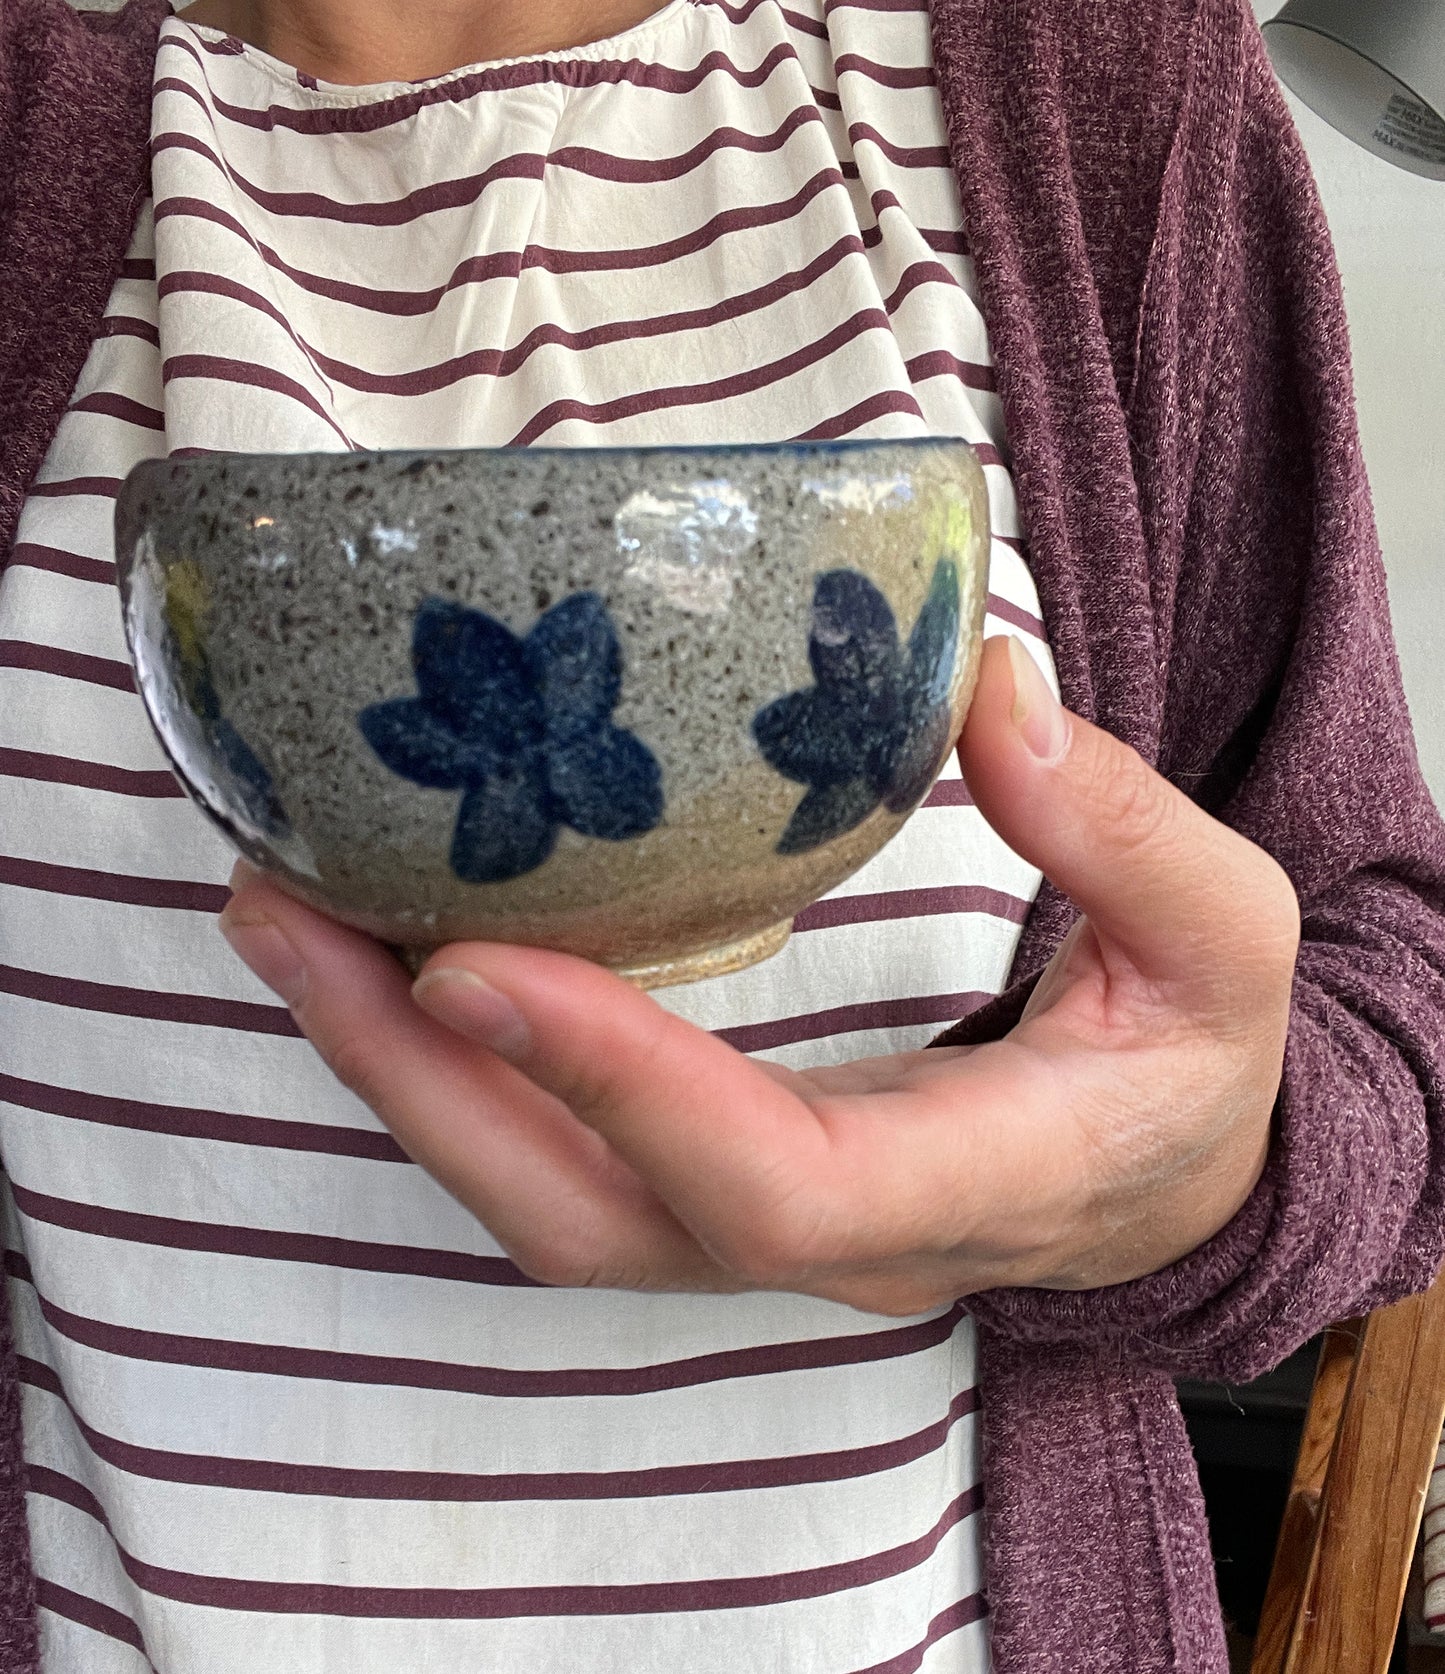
711,962
666,973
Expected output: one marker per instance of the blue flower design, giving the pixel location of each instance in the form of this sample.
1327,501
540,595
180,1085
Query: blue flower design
242,773
877,725
522,726
251,783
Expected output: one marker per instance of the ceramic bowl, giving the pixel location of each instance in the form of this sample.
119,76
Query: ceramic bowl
639,704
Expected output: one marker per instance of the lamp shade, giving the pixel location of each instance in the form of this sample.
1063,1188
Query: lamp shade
1374,69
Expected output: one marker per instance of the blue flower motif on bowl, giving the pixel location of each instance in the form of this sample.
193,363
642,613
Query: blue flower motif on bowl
241,773
876,727
522,727
250,781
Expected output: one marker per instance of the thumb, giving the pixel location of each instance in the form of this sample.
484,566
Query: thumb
1181,895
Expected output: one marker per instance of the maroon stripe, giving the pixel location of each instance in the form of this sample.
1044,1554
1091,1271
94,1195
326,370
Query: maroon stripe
916,274
804,25
949,793
509,263
334,1366
122,325
886,75
123,408
795,20
1014,614
263,1244
603,165
476,270
745,219
52,559
1011,540
960,1615
505,362
88,1612
988,454
188,281
157,1005
904,156
68,665
365,119
113,886
88,775
105,488
223,1126
40,1479
265,1476
910,903
137,268
863,412
946,241
314,1598
694,394
502,363
466,190
442,195
940,363
214,285
222,369
173,84
846,1020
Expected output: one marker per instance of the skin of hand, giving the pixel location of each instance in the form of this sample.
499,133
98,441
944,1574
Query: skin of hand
604,1142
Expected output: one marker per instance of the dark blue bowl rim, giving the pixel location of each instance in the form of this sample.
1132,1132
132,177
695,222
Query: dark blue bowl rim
847,444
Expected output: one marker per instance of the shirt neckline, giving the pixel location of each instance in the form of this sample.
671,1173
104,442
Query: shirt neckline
622,45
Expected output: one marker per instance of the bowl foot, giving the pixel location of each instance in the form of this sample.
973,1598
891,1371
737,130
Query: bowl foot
710,962
663,973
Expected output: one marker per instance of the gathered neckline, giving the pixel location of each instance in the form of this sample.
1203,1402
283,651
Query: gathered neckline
611,47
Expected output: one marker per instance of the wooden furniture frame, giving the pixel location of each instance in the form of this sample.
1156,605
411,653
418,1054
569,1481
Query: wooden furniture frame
1353,1515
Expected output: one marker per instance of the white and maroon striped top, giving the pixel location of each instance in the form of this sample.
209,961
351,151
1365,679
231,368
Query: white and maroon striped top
287,1404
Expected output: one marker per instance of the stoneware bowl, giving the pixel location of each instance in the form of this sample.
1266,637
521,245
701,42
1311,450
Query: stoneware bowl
640,704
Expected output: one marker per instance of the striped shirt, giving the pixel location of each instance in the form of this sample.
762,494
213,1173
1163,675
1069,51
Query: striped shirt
285,1402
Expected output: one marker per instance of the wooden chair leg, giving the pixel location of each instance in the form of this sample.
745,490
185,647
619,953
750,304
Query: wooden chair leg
1297,1549
1353,1515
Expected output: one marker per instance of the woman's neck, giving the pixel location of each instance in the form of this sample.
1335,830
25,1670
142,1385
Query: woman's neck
361,41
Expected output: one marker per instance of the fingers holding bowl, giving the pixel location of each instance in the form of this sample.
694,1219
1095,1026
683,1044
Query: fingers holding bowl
547,1187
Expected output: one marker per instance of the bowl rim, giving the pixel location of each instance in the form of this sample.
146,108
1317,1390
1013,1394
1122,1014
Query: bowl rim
842,444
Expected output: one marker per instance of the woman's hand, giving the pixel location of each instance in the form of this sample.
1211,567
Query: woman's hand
604,1142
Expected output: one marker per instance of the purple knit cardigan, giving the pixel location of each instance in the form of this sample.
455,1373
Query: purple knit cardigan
1165,313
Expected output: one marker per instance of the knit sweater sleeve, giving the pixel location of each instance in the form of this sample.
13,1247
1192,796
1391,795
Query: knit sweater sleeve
74,118
1283,713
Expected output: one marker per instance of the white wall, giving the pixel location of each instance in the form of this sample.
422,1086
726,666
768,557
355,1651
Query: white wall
1389,230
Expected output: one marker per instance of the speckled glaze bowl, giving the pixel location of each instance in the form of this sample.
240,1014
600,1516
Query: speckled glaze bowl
640,704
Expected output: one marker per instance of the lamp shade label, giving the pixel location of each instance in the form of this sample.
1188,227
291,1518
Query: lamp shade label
1410,126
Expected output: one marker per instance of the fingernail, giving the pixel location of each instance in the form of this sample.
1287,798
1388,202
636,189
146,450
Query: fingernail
1037,713
242,873
461,1001
259,944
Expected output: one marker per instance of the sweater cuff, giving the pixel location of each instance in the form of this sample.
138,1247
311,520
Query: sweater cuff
1304,1249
